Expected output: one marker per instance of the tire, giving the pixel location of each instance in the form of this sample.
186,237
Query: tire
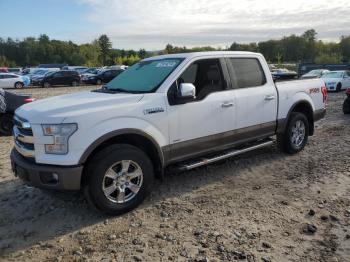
104,183
346,106
75,83
338,87
6,124
19,85
98,82
46,85
296,135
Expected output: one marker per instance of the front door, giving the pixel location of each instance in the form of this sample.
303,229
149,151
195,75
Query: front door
200,125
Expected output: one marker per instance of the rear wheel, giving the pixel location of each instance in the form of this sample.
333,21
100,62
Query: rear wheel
296,134
6,124
19,85
75,83
98,82
120,178
338,87
346,106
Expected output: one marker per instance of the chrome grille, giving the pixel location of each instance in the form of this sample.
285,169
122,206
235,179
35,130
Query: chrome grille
23,134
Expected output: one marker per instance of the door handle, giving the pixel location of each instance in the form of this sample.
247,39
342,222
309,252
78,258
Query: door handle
269,97
227,104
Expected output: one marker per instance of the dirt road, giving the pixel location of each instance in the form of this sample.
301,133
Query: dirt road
261,206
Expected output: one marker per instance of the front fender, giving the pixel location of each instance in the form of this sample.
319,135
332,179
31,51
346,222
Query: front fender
88,137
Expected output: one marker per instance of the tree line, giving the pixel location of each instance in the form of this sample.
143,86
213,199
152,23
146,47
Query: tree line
32,51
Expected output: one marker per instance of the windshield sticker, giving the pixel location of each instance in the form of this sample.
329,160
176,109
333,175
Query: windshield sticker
166,64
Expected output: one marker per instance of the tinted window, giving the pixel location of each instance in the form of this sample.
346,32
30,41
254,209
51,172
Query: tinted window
10,76
68,73
58,74
246,72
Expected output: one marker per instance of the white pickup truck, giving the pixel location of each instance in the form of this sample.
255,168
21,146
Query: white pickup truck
167,112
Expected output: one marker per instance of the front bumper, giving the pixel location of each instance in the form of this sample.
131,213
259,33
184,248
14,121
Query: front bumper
38,175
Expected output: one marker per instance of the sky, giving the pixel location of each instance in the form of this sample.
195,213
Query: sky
151,24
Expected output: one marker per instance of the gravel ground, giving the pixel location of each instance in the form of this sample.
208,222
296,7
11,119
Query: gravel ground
261,206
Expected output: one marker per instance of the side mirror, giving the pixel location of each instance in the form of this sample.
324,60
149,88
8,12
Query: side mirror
187,91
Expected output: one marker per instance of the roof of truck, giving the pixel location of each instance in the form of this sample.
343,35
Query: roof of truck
199,54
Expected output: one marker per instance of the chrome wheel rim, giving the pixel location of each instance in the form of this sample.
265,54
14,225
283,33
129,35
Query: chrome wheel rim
122,181
18,85
298,133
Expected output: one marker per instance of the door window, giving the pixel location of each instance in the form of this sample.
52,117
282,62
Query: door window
58,74
246,72
206,75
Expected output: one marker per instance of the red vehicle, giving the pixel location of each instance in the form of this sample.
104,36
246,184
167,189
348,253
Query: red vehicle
346,104
3,70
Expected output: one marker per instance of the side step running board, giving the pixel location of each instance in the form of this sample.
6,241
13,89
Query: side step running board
235,152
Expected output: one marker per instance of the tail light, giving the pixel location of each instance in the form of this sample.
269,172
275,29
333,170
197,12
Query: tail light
29,100
324,93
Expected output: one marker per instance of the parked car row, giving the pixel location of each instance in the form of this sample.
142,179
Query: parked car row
48,75
334,80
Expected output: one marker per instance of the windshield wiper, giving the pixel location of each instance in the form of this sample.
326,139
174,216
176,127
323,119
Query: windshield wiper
104,89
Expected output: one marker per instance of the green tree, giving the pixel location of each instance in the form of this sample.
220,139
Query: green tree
105,46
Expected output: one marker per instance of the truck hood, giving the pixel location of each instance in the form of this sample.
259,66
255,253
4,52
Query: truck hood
57,109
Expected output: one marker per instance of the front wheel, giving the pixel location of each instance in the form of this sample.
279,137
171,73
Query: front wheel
75,83
6,124
46,85
346,106
98,82
120,178
338,87
296,135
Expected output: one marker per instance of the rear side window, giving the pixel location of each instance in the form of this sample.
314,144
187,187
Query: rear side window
246,72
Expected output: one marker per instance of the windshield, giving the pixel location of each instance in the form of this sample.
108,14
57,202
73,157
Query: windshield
41,72
50,73
333,75
145,76
314,72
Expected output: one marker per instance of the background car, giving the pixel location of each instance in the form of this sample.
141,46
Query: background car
3,70
63,77
9,80
337,80
16,70
283,73
11,103
346,104
103,76
317,73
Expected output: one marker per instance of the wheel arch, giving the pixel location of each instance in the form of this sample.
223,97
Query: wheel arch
304,107
133,137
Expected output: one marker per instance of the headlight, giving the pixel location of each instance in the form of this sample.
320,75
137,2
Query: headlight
61,134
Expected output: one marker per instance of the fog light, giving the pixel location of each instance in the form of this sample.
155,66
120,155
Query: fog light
49,178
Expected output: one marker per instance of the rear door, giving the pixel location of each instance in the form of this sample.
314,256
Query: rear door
256,98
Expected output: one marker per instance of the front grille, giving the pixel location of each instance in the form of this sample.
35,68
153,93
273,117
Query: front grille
23,134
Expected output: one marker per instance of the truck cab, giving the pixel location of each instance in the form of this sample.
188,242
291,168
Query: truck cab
172,112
